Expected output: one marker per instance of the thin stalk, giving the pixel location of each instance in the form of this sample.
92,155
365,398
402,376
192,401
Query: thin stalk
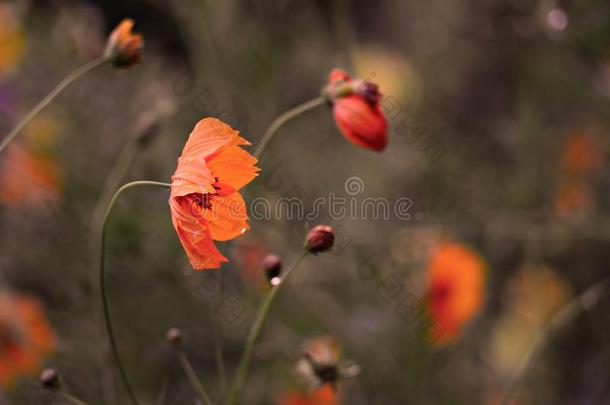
192,377
259,321
282,119
113,181
564,317
72,77
108,322
71,398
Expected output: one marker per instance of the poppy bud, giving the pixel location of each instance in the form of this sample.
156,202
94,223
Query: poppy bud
361,123
273,267
124,49
357,111
174,337
50,379
320,239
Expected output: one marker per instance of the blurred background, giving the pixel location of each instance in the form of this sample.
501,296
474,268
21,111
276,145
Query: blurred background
498,114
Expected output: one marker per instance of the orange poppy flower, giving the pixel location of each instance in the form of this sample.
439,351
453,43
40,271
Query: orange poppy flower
25,337
124,48
325,395
28,179
204,202
581,154
357,111
455,291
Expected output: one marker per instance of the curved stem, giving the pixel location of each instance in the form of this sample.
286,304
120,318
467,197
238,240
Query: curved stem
583,302
257,326
192,377
282,119
49,97
107,319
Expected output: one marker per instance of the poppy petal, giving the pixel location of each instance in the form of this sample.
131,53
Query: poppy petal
233,166
227,218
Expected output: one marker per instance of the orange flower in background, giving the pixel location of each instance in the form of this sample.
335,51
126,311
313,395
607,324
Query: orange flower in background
124,48
25,337
581,154
455,292
204,202
28,179
325,395
357,111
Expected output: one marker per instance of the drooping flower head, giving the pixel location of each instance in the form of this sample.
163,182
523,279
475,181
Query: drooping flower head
205,202
321,363
124,48
25,337
357,111
455,291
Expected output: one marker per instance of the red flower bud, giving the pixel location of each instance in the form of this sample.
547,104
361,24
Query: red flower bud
320,239
357,111
124,48
50,379
361,123
273,266
174,337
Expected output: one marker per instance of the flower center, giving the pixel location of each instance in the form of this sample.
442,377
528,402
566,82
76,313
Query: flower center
203,201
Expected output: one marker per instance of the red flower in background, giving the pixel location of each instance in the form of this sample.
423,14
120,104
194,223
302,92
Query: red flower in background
25,337
325,395
357,112
204,201
455,292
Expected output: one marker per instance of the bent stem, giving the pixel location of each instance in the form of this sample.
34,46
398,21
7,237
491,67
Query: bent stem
282,119
263,313
72,77
108,322
564,317
192,377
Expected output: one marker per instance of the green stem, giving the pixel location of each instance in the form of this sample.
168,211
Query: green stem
259,321
192,377
49,97
71,398
107,319
282,119
562,318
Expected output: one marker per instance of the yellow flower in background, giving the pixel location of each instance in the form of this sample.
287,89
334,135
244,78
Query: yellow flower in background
12,41
534,296
390,70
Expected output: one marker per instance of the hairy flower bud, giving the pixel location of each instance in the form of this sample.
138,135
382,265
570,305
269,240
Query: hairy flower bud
273,267
124,49
49,378
174,337
320,239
